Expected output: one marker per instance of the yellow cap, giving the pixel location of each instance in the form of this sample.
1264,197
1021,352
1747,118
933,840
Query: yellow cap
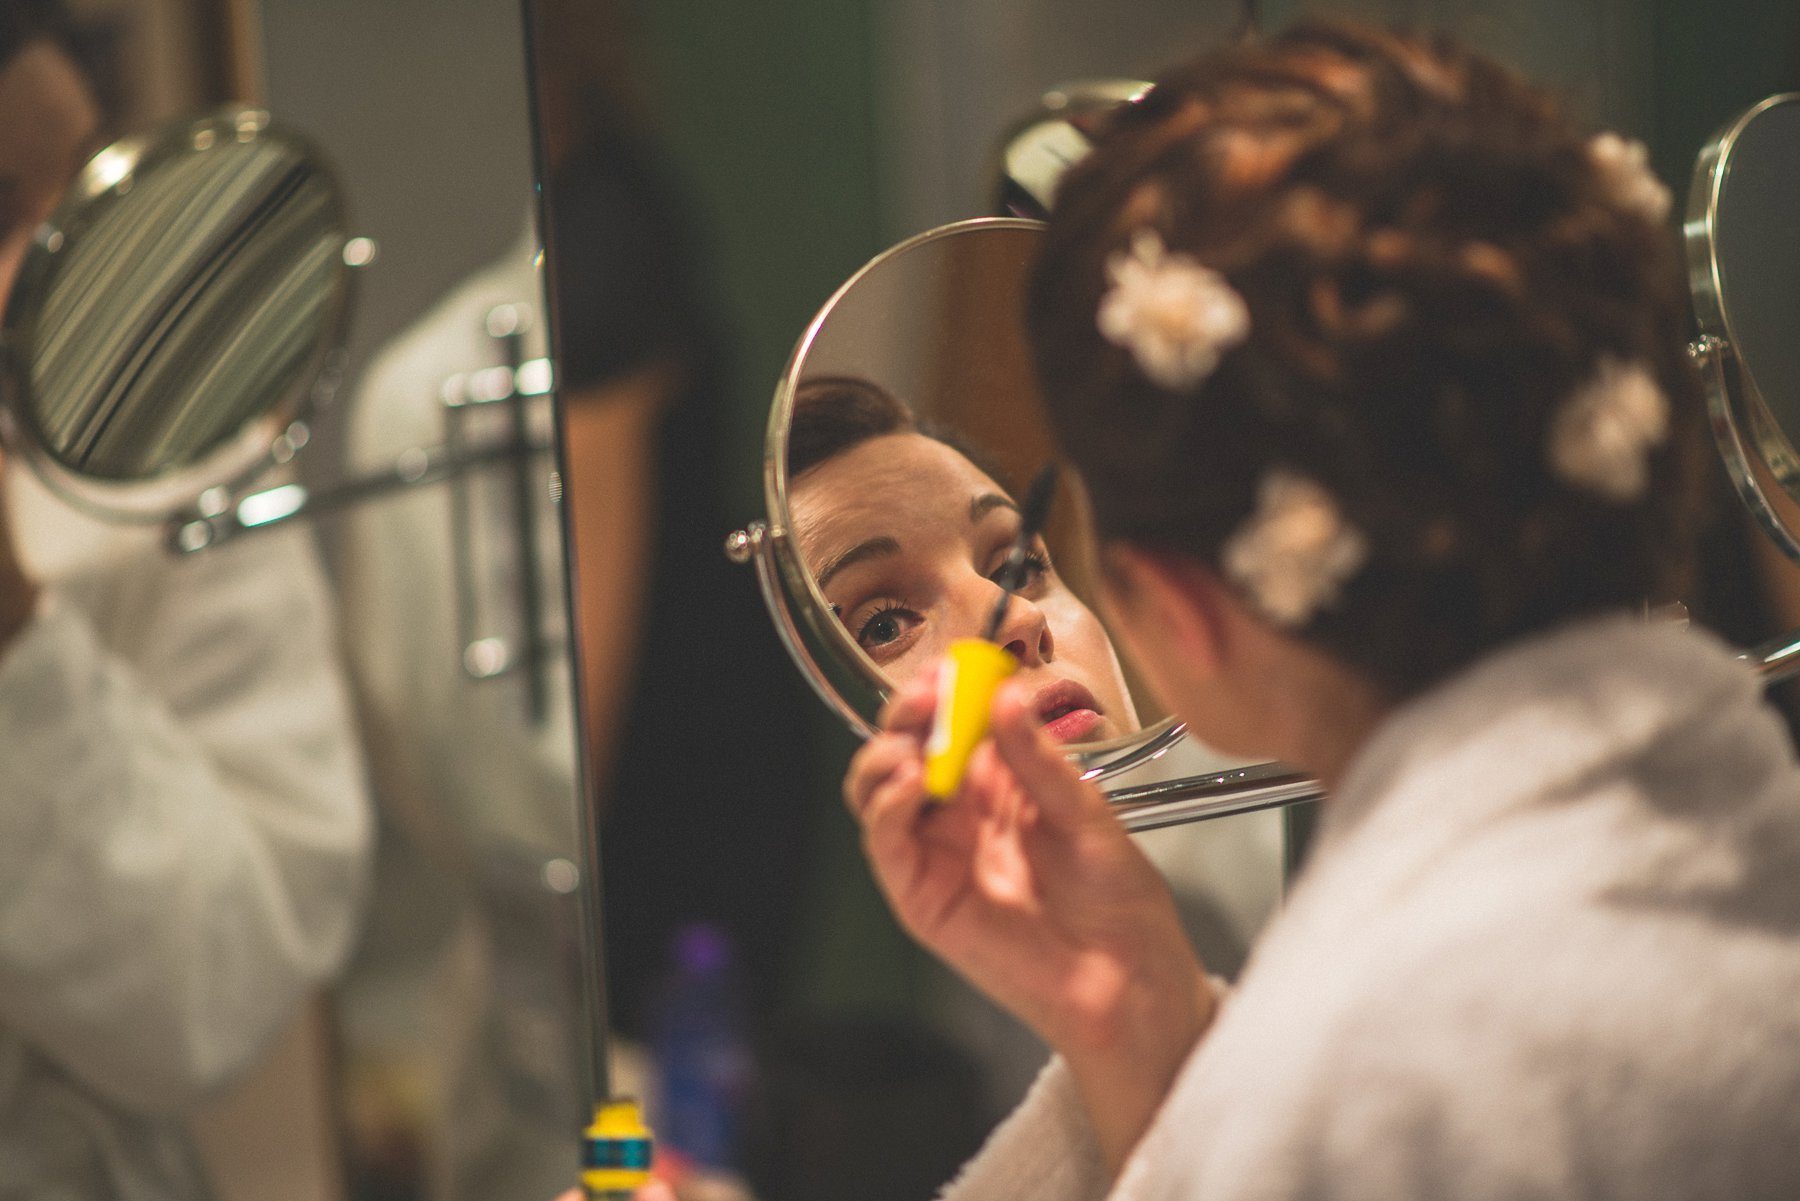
972,674
616,1149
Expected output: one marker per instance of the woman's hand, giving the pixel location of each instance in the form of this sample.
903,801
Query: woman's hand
1028,885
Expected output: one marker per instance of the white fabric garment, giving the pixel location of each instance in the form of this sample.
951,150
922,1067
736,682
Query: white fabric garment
476,794
183,840
463,759
1548,946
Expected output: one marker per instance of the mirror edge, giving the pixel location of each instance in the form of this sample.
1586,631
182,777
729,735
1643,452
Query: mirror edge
1735,421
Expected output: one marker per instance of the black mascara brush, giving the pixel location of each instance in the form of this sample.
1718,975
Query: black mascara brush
1031,523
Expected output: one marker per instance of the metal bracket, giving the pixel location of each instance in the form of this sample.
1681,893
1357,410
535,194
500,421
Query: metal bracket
508,387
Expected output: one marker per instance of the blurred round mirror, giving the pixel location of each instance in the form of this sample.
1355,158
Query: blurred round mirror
172,318
1744,260
902,437
1036,152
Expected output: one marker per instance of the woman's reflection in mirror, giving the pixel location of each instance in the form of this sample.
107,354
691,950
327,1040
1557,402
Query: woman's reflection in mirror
183,836
906,533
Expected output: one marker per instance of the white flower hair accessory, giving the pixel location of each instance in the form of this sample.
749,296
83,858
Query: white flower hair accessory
1174,315
1602,436
1624,166
1296,552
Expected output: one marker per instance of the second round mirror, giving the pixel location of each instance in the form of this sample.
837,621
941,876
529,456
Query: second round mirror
171,317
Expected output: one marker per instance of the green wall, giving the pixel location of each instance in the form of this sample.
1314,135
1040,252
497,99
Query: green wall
1712,61
767,107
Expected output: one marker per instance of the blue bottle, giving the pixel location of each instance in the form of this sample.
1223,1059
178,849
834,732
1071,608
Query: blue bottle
702,1054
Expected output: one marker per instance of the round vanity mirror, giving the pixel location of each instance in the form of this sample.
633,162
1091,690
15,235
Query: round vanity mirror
173,318
1744,266
902,437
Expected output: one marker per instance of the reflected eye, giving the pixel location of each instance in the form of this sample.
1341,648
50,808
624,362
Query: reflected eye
886,626
1034,568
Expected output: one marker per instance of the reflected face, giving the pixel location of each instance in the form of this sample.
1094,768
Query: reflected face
906,537
51,126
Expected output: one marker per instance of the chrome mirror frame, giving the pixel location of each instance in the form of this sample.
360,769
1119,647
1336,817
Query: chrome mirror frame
1758,456
787,585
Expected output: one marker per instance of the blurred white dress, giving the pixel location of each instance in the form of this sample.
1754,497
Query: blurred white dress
183,840
1548,945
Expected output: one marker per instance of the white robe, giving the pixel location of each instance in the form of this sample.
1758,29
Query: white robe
475,796
1548,946
183,840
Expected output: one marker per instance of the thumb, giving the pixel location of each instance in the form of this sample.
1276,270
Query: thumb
1039,764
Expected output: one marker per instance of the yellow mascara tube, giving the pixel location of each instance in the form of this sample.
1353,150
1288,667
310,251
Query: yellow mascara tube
974,668
971,675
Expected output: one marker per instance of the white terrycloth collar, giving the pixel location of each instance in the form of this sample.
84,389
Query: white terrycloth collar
1580,698
1616,760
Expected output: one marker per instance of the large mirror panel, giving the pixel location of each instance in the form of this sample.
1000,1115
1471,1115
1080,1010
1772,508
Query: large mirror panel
462,1046
861,1069
320,934
885,122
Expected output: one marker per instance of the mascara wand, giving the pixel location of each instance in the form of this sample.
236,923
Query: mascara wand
975,667
1011,576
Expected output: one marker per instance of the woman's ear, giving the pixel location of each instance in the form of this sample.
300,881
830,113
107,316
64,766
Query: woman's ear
1169,609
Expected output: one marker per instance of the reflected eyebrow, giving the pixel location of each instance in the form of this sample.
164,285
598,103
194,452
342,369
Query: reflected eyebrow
987,502
874,548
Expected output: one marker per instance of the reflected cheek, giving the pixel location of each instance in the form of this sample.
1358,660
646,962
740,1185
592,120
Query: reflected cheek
932,641
1083,642
1080,638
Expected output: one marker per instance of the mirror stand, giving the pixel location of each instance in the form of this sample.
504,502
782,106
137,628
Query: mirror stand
219,515
754,544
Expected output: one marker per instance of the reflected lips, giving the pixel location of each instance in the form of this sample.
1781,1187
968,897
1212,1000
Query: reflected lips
1067,711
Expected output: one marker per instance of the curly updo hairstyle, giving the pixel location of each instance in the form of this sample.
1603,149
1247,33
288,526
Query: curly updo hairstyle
1434,264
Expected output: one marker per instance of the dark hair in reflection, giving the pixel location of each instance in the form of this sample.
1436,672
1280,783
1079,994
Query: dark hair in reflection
834,413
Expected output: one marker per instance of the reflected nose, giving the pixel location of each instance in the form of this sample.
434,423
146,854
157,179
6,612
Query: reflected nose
1026,633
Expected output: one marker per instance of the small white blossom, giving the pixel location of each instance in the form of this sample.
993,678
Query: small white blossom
1174,315
1624,166
1602,436
1296,552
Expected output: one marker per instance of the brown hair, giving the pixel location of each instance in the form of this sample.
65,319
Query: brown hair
836,413
1432,267
833,414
